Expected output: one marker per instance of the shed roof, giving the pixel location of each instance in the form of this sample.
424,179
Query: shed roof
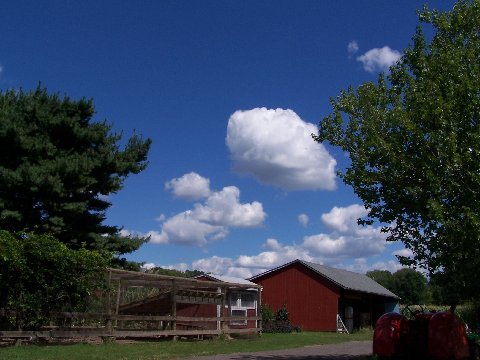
227,279
347,280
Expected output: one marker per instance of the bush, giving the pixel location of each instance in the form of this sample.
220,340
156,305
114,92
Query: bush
278,323
267,313
39,275
278,326
282,314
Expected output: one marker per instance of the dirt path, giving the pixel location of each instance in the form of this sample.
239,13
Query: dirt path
345,351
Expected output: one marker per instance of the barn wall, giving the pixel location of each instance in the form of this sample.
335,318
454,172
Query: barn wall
311,300
197,310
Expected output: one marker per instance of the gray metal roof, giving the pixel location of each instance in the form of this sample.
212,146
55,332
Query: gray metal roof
229,279
347,280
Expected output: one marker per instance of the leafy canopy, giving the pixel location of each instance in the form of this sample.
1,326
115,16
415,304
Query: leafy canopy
57,168
413,139
410,285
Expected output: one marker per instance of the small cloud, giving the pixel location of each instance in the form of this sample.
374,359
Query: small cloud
379,59
352,47
148,266
348,238
161,218
189,187
272,244
404,253
341,219
303,219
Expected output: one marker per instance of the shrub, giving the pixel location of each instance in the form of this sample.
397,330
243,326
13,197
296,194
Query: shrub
267,313
277,326
282,314
278,323
39,275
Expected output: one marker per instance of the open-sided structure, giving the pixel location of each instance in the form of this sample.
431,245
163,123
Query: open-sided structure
138,304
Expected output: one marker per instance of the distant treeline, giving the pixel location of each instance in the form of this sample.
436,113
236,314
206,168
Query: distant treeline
412,286
173,272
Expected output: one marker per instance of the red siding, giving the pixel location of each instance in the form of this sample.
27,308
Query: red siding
198,310
311,300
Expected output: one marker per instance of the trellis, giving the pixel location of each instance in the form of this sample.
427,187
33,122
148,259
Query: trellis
120,319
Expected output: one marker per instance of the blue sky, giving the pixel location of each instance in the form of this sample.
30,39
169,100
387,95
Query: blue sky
229,92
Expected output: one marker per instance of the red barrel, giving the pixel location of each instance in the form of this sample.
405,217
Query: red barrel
447,338
388,334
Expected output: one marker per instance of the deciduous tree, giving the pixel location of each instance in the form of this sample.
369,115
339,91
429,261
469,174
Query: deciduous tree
413,139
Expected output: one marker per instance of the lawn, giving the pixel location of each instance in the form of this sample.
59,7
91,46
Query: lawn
176,349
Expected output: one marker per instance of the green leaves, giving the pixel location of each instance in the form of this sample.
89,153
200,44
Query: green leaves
57,165
413,141
39,274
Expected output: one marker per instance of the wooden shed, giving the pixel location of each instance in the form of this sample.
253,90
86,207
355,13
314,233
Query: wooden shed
205,297
321,298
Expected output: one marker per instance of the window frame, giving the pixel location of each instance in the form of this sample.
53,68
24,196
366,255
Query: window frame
237,306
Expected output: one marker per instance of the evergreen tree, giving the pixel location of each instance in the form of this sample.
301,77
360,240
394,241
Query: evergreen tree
57,168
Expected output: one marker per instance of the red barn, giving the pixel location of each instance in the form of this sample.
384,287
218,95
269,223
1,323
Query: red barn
321,298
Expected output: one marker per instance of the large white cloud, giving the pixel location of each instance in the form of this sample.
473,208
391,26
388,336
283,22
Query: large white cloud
190,186
379,59
276,147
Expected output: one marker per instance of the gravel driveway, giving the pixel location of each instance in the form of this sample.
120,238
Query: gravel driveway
344,351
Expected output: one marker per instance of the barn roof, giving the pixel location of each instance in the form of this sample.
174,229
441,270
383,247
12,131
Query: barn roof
347,280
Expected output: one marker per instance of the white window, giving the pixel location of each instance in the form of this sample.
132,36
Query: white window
239,313
243,300
240,302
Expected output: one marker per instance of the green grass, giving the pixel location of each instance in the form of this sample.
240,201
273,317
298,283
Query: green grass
177,349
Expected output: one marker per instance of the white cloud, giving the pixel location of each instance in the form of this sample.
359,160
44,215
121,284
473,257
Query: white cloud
209,221
379,59
190,186
272,244
352,47
347,239
213,265
276,147
156,237
403,252
342,219
303,219
224,208
148,266
185,229
361,266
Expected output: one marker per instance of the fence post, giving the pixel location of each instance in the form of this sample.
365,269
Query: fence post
174,307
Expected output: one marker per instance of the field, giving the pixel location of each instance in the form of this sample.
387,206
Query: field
176,349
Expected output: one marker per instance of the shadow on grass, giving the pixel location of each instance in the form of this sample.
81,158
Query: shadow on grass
300,357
